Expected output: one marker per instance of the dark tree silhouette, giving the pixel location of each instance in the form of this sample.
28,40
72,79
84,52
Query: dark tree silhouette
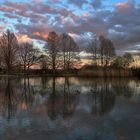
124,61
70,51
28,55
51,48
93,47
10,101
106,51
43,62
9,49
128,59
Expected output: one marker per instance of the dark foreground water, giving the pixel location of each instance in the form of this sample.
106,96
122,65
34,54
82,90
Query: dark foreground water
69,109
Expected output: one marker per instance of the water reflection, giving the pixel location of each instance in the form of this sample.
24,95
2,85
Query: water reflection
10,101
104,98
97,96
54,100
61,101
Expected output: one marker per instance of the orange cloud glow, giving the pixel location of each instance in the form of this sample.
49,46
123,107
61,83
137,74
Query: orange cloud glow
123,5
85,14
24,38
44,35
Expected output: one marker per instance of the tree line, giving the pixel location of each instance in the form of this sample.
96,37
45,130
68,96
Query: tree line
59,52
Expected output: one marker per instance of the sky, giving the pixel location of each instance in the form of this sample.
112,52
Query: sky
32,20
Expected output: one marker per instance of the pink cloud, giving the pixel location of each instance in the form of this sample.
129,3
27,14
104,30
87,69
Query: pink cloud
2,27
6,9
123,5
38,1
43,35
85,14
17,6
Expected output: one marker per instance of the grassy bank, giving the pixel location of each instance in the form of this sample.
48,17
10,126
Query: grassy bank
88,71
106,72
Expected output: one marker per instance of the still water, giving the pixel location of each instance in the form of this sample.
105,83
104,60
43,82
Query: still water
62,108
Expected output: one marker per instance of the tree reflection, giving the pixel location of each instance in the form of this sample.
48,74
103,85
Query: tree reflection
44,82
52,103
63,102
68,101
103,98
60,96
107,98
17,95
60,102
10,101
27,93
122,88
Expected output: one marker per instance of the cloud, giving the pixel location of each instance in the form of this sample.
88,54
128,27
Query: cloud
6,9
36,19
86,14
2,27
43,35
38,1
11,16
125,25
33,31
123,5
23,38
78,3
17,6
96,4
126,7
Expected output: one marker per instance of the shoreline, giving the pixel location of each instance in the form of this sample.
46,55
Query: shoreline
64,75
108,72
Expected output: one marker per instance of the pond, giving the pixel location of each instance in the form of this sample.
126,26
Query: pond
62,108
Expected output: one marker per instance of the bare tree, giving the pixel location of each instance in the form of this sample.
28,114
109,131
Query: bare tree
9,49
52,50
70,51
43,62
28,55
93,46
136,58
124,61
127,59
107,50
0,58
